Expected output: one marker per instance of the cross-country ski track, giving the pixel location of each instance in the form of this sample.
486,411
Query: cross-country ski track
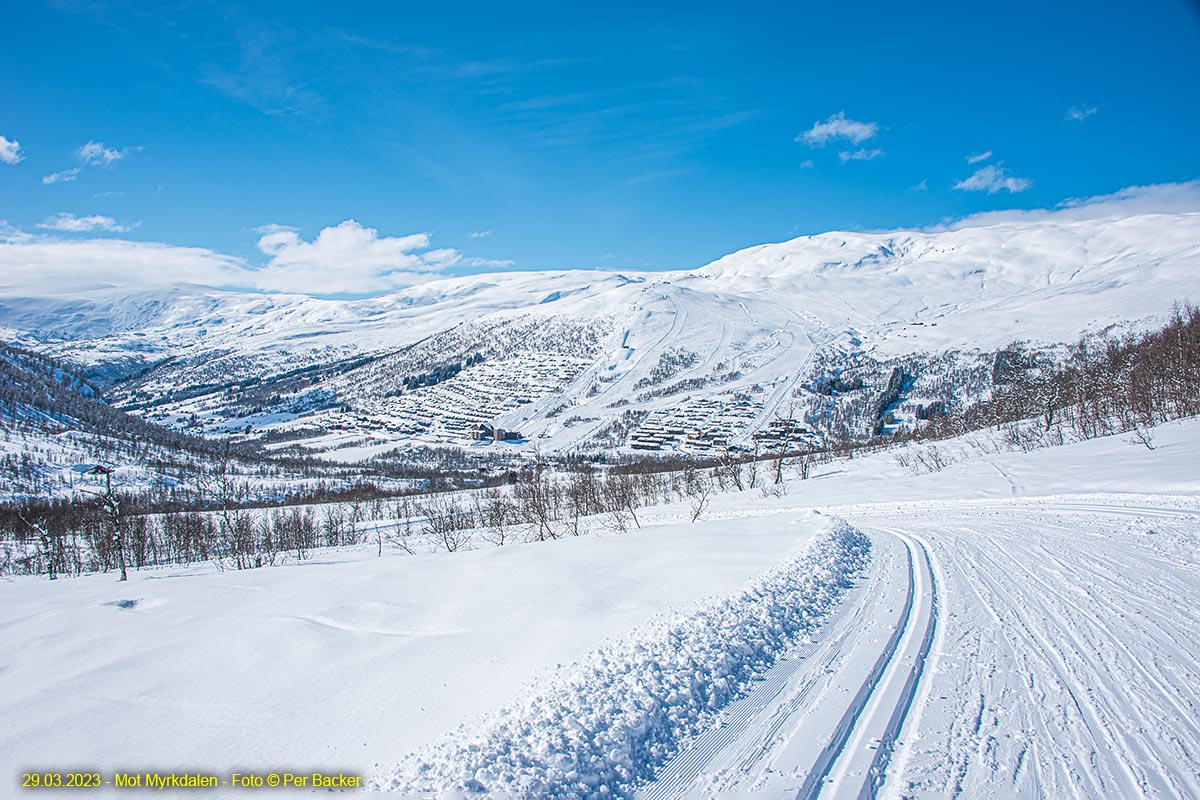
1015,625
854,684
1016,649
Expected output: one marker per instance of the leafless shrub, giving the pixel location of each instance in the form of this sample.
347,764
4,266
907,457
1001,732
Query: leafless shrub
1143,437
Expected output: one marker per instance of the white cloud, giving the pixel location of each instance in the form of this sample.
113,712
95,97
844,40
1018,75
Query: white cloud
861,154
62,176
10,151
73,224
1080,112
479,234
975,158
272,227
806,164
97,154
488,263
922,186
1160,198
349,258
47,266
992,179
10,234
838,126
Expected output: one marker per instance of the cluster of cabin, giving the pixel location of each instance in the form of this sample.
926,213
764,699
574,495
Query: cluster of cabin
782,433
460,409
700,426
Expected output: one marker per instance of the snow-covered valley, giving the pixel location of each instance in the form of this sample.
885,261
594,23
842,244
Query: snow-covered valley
942,543
1015,624
674,363
599,401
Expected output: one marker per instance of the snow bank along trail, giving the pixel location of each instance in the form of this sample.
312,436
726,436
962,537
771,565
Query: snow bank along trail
824,719
600,727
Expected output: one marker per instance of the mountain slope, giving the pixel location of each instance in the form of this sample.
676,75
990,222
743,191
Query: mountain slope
691,360
1044,280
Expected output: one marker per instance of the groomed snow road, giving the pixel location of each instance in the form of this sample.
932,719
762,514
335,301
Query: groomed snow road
1017,648
816,722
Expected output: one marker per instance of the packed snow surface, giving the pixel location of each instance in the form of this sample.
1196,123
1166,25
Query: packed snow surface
1019,627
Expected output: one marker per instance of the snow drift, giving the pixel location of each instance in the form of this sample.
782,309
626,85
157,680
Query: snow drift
600,727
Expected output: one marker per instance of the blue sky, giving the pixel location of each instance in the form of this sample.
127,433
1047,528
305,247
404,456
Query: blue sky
443,138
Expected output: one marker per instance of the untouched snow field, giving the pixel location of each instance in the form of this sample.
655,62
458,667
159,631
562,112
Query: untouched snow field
333,664
1013,625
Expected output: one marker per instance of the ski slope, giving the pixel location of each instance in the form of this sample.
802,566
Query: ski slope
1068,665
1014,625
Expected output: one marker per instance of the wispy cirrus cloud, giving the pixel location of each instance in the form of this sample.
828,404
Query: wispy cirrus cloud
272,227
92,154
1080,112
70,223
861,154
993,178
838,126
479,234
98,154
975,158
62,176
10,151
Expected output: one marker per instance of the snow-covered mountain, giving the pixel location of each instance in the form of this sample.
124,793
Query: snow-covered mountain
687,360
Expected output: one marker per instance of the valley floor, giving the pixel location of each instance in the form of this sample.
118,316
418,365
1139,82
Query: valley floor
1016,624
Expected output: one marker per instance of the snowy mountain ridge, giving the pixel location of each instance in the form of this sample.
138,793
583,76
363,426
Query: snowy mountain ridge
588,358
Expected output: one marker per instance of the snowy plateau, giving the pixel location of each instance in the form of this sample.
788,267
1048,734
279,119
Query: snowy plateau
991,614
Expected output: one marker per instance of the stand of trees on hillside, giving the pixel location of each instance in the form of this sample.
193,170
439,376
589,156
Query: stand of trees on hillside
1103,386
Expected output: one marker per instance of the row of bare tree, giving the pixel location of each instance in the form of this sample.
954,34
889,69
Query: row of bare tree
109,531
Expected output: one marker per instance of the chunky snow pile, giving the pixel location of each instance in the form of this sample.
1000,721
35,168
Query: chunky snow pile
600,727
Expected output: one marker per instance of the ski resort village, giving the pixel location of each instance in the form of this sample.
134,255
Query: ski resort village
562,402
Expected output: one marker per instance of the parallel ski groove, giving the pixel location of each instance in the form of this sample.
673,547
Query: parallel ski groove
887,743
836,748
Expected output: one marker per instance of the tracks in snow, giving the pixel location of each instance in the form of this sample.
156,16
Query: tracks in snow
1067,663
859,763
1020,649
825,721
1025,648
